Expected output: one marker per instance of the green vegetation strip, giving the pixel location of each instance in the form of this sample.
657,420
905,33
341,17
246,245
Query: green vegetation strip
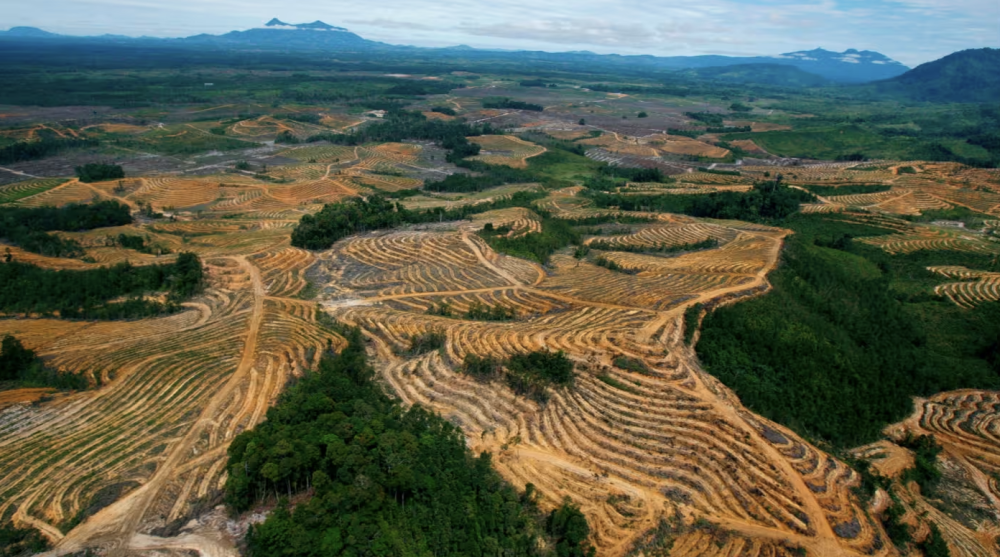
88,294
339,220
32,150
28,227
768,202
827,191
20,190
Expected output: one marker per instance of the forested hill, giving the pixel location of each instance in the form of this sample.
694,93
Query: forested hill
966,76
764,74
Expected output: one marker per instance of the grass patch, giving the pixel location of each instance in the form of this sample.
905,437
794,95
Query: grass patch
631,364
180,141
309,291
831,142
612,382
20,190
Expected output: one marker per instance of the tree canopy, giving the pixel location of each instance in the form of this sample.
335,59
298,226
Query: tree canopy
99,172
89,294
28,227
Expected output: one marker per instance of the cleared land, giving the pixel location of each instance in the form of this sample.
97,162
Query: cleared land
645,441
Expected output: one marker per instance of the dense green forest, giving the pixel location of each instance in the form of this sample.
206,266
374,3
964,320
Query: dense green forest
708,243
99,172
766,202
382,480
17,542
486,176
968,76
22,368
536,246
87,294
28,227
399,125
505,103
41,148
848,334
339,220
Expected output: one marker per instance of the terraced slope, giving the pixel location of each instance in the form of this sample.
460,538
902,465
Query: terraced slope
648,444
631,448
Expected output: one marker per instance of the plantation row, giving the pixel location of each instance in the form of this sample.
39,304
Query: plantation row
157,380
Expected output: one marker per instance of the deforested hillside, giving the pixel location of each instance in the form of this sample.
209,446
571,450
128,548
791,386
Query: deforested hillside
358,307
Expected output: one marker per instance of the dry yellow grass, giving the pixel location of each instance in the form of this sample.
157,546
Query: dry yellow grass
680,145
506,150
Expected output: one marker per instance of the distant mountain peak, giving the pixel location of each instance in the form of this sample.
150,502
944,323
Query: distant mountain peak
317,25
29,32
849,56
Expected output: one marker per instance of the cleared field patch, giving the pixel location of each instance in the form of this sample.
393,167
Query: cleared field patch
710,179
680,145
386,182
616,144
321,154
437,116
72,191
768,127
519,220
570,135
340,121
865,199
667,235
976,287
266,126
931,238
506,150
749,146
315,191
162,192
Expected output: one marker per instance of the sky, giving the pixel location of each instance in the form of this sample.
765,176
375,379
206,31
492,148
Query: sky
910,31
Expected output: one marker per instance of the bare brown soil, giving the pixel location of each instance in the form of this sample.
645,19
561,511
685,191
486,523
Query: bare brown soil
635,449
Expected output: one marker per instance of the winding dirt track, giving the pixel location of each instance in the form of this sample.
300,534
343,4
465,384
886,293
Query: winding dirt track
116,525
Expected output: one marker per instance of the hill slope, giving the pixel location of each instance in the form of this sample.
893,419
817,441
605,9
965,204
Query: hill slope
850,66
763,74
28,32
966,76
278,35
